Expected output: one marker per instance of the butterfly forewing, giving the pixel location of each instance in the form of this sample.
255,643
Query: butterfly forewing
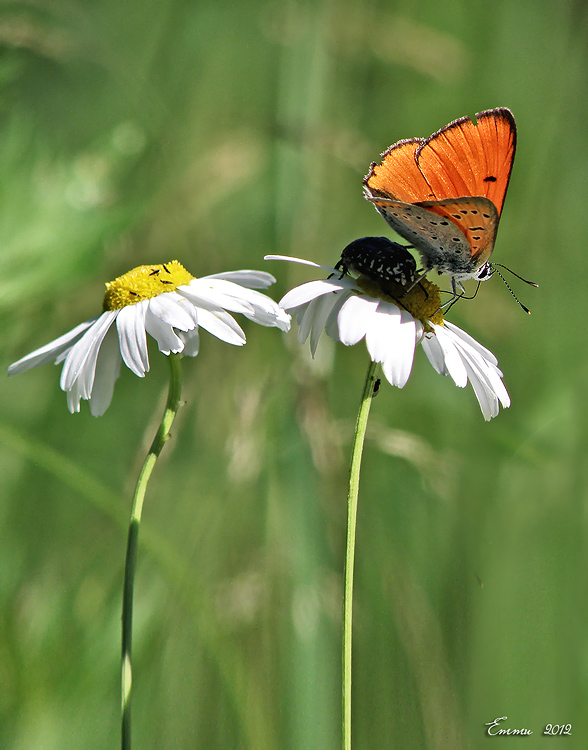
464,159
398,176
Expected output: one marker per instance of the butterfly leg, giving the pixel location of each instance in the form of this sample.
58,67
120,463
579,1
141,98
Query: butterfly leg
417,281
459,292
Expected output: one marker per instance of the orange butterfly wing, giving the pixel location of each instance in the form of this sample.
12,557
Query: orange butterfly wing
398,176
461,161
464,159
477,218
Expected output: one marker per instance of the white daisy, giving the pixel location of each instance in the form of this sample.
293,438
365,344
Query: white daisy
170,305
351,309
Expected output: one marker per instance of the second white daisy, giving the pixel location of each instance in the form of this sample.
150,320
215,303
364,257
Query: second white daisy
351,309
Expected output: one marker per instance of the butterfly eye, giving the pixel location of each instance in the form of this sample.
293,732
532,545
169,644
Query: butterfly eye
484,272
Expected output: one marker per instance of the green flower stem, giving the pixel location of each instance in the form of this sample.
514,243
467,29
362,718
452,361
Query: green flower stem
171,409
357,450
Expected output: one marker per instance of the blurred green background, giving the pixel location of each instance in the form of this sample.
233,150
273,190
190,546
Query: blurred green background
214,133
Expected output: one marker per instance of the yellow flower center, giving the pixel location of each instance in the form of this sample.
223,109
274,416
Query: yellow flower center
144,282
423,302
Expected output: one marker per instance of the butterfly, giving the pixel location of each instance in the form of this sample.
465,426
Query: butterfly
444,194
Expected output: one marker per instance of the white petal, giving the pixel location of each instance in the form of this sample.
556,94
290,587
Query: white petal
323,307
305,319
166,312
172,309
107,372
191,341
434,353
304,293
380,331
312,315
486,372
482,361
50,351
246,278
486,353
332,324
495,377
478,363
222,325
453,361
167,339
130,323
301,261
266,312
80,363
355,316
397,363
486,397
73,398
301,313
282,320
211,294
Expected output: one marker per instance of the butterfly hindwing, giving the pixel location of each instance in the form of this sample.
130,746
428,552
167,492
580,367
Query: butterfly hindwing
476,217
439,241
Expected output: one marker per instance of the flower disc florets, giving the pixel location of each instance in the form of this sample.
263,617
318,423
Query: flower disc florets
144,282
423,301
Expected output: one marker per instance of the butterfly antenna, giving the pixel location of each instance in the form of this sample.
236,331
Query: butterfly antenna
526,309
506,268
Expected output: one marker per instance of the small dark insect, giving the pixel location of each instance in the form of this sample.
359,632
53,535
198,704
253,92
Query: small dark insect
380,260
